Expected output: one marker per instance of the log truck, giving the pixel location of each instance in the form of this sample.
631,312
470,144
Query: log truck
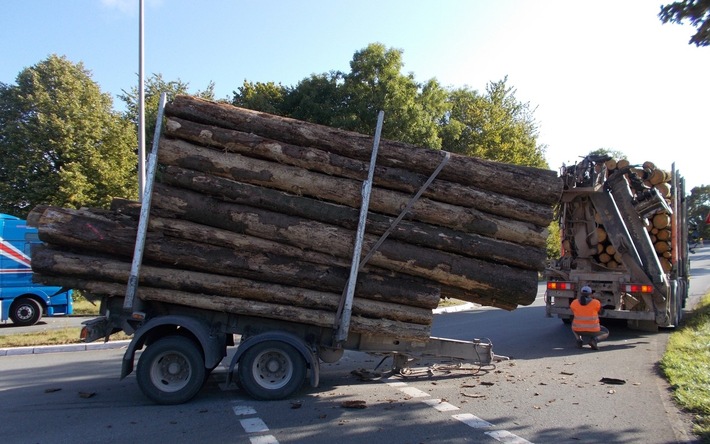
623,233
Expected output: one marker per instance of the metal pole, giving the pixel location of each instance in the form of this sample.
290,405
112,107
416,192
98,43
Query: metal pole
141,109
131,303
342,332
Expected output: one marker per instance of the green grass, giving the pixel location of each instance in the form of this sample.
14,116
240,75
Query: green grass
686,364
62,336
84,307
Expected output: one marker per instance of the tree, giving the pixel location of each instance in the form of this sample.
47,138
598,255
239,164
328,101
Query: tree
494,126
266,97
375,83
318,99
154,87
697,12
61,143
698,209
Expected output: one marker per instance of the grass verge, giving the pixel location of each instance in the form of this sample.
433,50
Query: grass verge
686,364
62,336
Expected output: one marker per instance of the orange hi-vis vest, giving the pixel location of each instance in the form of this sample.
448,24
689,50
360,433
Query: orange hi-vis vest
586,317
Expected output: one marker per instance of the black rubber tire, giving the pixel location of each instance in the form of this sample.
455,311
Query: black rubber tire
271,370
25,311
171,370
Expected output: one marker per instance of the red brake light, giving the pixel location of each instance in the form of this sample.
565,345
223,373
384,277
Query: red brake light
638,288
557,285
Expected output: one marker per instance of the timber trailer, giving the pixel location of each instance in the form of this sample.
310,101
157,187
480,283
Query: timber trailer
181,345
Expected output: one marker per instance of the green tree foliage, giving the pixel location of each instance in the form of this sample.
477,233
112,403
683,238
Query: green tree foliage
697,12
375,83
494,125
60,141
698,209
267,97
318,99
154,87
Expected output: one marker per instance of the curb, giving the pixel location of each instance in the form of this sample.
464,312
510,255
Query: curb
41,349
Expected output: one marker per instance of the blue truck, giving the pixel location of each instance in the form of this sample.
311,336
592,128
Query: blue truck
21,300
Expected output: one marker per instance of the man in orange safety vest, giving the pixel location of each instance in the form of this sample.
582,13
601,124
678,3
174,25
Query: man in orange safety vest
585,324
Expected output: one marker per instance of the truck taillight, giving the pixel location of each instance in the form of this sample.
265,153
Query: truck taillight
638,288
556,285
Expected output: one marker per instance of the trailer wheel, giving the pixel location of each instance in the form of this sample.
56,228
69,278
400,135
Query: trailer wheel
25,311
171,370
271,370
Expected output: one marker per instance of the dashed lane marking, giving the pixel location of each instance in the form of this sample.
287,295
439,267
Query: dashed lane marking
469,419
253,425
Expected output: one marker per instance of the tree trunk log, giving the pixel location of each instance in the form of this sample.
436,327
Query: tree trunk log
484,281
320,318
533,184
346,192
317,160
417,233
439,266
92,268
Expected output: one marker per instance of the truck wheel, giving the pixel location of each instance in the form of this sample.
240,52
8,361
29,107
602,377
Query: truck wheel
271,370
25,311
171,370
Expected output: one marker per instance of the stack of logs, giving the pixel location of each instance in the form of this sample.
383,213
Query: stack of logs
659,226
256,214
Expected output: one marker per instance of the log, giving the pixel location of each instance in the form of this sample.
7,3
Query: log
484,281
439,266
511,180
439,238
50,262
320,318
114,238
321,161
346,192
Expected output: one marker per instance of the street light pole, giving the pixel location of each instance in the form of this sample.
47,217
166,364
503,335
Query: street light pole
141,110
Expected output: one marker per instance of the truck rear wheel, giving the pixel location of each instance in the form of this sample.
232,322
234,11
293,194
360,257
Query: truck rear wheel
171,370
25,311
271,370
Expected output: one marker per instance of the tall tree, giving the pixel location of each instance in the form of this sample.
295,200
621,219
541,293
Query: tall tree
155,85
318,99
494,125
267,97
698,209
697,12
375,83
61,143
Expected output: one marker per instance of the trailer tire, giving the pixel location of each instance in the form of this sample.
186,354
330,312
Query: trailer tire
25,311
271,370
171,370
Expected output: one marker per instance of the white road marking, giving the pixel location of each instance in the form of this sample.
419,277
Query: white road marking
506,437
472,420
440,405
254,425
243,410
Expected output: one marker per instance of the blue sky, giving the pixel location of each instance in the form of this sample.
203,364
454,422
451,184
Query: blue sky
599,74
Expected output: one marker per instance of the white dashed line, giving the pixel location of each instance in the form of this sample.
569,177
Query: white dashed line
253,425
440,405
469,419
506,437
472,421
413,392
263,439
243,410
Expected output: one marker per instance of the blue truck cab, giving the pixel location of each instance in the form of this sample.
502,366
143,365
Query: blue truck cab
21,300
